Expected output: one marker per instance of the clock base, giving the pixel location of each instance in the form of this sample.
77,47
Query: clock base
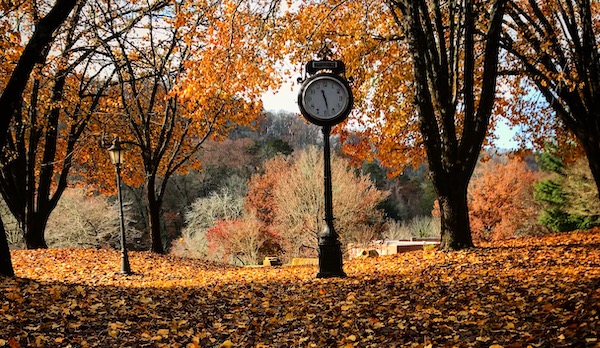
330,260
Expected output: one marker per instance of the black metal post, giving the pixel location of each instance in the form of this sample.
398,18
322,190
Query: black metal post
330,251
125,268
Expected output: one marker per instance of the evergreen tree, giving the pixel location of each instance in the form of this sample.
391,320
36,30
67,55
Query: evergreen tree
558,200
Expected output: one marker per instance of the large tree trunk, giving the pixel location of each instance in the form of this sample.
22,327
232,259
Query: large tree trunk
447,76
34,231
154,207
588,134
6,267
155,230
592,151
454,216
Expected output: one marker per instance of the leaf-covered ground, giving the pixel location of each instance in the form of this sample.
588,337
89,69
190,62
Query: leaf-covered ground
539,292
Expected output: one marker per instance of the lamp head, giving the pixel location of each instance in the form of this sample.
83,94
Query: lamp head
116,152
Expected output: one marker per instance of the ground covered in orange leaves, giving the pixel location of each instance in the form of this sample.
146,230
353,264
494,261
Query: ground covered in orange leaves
537,292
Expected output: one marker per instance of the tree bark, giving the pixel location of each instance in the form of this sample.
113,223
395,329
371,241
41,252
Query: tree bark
34,230
454,216
440,54
6,267
154,207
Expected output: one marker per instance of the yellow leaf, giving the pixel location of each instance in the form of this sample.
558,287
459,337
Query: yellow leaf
163,332
378,325
226,344
351,338
496,346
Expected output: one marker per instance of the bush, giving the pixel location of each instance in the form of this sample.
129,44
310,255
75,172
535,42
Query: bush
569,194
203,214
501,201
238,241
14,234
288,198
81,220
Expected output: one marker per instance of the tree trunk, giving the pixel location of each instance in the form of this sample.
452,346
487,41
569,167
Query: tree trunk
454,216
6,267
154,206
592,151
34,231
154,222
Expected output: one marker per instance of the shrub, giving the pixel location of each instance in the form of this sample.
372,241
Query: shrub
501,201
238,241
203,214
14,234
288,198
569,194
81,220
582,193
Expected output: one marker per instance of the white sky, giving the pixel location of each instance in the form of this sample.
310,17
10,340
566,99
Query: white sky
285,99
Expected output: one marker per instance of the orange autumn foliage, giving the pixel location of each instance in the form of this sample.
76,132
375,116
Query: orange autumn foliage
501,203
198,72
260,199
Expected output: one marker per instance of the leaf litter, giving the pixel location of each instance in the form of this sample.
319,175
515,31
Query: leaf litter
531,292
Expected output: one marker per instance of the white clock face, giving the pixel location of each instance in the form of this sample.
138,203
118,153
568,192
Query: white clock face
325,98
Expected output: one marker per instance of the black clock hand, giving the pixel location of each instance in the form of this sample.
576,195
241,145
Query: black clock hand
324,97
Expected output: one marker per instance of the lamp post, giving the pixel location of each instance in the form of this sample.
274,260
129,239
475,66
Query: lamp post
117,153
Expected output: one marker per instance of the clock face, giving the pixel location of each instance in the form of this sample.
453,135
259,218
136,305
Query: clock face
325,98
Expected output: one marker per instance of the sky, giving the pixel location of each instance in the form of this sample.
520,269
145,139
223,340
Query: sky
284,99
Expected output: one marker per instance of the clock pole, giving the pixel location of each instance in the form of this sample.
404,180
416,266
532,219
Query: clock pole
327,79
330,250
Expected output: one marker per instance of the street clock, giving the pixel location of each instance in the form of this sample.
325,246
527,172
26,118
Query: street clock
325,99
